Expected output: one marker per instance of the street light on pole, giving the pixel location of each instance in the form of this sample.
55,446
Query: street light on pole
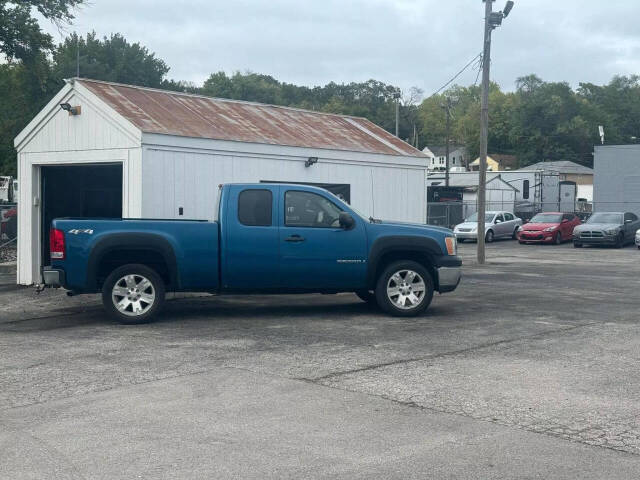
492,20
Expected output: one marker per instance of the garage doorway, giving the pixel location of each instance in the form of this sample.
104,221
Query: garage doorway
79,191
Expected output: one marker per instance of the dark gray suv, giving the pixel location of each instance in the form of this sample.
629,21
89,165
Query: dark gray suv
607,228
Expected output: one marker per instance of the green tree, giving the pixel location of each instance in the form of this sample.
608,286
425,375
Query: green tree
20,35
111,58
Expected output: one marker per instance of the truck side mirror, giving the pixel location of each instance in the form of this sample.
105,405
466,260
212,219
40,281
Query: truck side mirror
346,221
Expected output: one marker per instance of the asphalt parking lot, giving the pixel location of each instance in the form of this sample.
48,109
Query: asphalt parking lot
528,370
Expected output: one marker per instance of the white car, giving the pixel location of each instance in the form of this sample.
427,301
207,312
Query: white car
496,225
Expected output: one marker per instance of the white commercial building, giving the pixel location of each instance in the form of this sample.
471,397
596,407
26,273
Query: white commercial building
111,150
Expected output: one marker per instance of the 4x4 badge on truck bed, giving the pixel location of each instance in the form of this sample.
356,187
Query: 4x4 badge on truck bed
75,231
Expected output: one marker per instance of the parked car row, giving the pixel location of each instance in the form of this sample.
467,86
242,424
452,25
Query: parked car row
604,228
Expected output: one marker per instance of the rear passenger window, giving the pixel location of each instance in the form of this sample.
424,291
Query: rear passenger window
508,217
254,208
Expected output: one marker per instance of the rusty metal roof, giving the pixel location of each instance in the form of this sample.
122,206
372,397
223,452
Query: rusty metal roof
175,113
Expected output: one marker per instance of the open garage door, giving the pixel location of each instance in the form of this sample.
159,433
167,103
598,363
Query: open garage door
79,191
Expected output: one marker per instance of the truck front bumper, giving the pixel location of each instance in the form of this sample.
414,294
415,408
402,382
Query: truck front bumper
449,271
449,278
53,277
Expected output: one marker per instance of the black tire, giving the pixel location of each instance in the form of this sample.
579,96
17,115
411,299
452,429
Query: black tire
515,234
557,239
390,306
521,242
366,296
489,237
138,272
620,240
577,245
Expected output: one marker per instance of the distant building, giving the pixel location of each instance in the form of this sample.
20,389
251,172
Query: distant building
569,172
496,162
437,154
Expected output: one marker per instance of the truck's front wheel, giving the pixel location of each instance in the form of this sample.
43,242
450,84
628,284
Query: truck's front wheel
133,294
404,289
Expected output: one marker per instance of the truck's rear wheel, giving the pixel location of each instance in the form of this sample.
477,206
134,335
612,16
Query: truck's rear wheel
404,289
133,294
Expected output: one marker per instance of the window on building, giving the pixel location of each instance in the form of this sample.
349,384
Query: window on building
254,207
306,209
454,160
525,189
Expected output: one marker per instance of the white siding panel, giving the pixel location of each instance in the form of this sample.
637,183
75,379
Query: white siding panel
190,179
91,130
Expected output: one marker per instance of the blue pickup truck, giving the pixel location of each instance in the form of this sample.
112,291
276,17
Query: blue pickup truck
267,238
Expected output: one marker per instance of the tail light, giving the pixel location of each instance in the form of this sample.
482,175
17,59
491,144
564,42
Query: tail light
56,244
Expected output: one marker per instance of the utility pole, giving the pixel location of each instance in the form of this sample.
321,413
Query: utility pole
77,55
397,97
491,20
447,108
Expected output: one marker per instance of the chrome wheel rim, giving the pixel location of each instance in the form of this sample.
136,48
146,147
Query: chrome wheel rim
133,295
406,289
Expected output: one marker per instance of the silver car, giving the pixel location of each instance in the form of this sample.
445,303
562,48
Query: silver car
638,239
607,228
496,225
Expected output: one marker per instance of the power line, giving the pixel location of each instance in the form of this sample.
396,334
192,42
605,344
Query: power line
479,66
456,75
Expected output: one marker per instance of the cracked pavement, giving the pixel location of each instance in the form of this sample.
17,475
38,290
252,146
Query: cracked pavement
528,370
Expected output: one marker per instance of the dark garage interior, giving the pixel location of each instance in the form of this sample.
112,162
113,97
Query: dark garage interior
79,191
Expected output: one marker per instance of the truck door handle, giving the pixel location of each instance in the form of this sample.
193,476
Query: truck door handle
294,238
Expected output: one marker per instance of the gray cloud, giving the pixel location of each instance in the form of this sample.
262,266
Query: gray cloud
403,42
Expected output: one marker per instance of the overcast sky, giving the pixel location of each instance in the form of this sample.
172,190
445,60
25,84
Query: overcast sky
407,43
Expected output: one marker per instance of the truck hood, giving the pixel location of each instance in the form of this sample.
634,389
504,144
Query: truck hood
597,226
418,227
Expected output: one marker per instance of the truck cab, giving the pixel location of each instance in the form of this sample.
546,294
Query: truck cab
266,238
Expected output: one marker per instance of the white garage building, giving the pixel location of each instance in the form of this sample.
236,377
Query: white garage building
120,150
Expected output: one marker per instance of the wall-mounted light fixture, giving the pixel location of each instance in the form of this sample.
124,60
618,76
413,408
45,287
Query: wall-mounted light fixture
310,161
72,110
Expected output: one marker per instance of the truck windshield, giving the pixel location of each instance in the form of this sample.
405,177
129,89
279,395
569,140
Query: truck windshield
605,218
546,218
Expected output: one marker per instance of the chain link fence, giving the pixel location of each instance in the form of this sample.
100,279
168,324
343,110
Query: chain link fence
450,214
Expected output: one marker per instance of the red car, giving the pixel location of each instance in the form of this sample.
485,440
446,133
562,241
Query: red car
549,227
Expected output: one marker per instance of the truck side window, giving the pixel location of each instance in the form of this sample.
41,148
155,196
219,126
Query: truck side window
525,189
306,209
254,207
